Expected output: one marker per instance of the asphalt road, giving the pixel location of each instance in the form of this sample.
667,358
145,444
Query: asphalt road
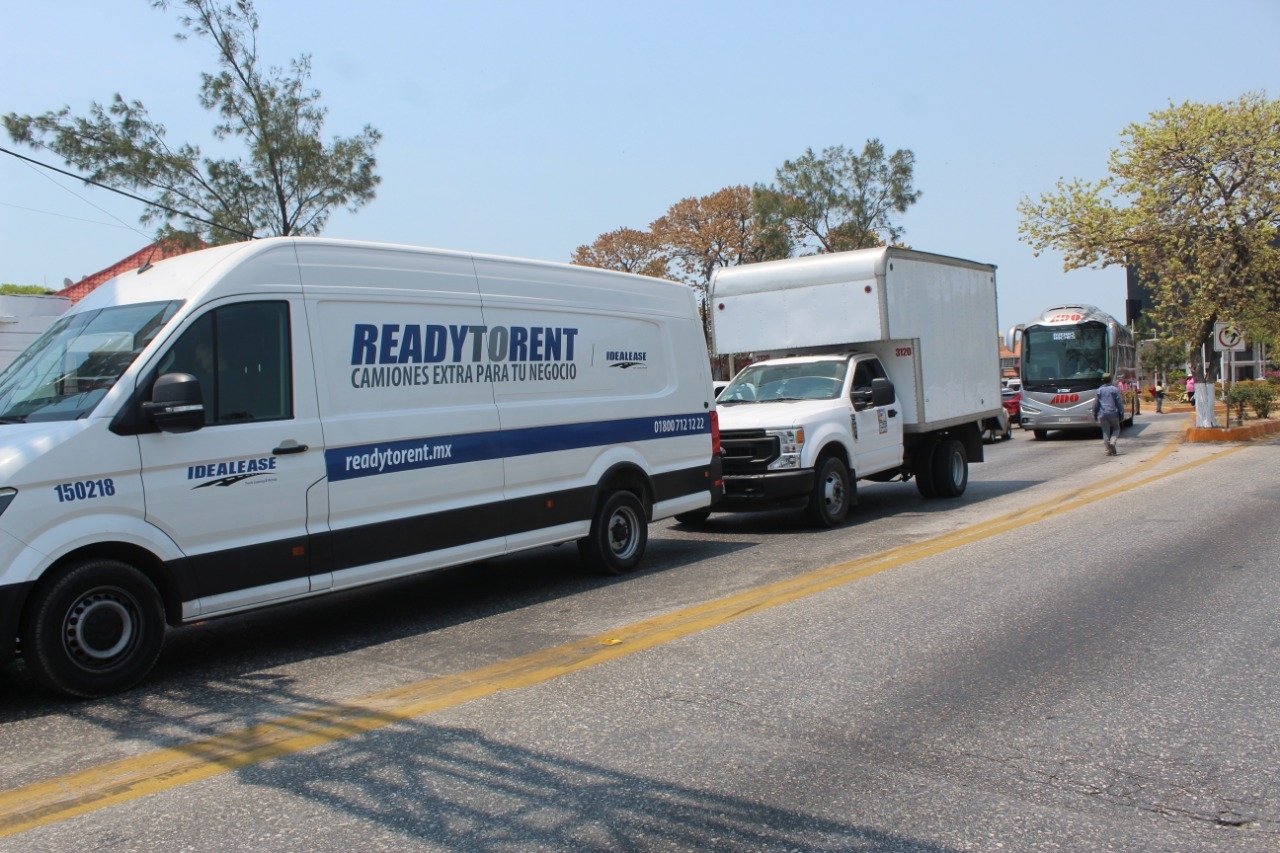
1079,654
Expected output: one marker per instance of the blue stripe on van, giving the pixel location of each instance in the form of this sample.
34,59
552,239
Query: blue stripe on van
369,460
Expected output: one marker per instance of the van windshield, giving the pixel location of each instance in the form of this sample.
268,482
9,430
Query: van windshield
68,369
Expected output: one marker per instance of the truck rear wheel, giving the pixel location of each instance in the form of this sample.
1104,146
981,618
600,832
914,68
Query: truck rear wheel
832,493
950,469
619,534
95,630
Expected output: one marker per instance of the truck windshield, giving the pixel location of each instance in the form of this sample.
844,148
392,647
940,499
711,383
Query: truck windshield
68,369
766,382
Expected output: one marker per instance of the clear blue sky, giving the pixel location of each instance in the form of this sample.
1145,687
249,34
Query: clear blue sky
529,128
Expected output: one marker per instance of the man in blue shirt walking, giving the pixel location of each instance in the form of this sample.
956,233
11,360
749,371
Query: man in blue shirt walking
1108,409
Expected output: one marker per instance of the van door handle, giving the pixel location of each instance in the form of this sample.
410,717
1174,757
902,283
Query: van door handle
893,413
290,447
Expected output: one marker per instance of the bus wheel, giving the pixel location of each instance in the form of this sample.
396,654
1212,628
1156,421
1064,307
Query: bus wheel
950,469
619,533
922,468
95,630
1040,434
832,493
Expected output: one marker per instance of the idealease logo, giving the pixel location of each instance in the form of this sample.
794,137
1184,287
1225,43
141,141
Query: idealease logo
625,358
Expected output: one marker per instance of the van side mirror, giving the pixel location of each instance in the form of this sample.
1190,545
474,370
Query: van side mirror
177,404
882,393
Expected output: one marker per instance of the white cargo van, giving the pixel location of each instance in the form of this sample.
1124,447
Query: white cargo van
266,421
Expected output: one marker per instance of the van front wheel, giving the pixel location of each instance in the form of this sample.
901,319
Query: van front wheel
619,533
95,630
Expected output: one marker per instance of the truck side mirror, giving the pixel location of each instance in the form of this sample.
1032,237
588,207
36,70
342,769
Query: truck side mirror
177,404
882,393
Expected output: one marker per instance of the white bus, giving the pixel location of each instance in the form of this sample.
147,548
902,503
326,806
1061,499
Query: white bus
1065,351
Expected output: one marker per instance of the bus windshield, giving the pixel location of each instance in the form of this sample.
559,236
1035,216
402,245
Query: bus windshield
72,366
1064,357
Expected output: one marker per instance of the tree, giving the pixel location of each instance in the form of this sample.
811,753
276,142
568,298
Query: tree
1160,355
717,230
289,180
625,250
838,201
1193,201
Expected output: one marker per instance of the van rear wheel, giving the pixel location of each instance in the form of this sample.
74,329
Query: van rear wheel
619,534
95,630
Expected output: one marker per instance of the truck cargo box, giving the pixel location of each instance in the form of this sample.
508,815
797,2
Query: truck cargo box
930,318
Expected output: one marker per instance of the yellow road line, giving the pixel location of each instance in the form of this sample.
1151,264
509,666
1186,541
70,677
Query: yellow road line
64,797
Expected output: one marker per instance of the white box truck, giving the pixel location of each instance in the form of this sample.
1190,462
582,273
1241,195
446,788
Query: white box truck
267,421
876,364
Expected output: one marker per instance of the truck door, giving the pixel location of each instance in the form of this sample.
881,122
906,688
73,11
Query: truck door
233,494
877,430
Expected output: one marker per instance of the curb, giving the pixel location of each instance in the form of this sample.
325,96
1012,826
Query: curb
1241,433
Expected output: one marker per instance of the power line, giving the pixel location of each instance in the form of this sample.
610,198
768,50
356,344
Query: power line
125,194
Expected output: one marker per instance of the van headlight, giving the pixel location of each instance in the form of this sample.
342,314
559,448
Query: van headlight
790,446
6,498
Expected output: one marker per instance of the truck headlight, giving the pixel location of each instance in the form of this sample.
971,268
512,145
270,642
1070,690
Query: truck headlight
6,498
790,446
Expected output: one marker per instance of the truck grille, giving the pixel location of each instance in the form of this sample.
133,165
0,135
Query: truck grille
747,451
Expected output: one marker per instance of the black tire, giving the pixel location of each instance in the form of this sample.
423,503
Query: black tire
922,469
950,469
697,516
94,630
1040,434
619,534
832,493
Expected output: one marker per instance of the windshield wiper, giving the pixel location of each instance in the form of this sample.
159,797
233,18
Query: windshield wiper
14,419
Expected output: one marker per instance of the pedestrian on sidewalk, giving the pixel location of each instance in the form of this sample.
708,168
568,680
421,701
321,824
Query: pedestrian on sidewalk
1191,389
1108,409
1159,395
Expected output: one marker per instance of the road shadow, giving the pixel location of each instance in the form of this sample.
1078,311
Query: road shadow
452,788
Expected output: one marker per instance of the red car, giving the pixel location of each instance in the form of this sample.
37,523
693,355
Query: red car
1011,399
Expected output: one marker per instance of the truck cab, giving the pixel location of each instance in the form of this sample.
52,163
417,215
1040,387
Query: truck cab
802,430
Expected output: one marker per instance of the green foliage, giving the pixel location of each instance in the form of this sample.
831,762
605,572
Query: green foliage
1259,396
287,182
23,290
1161,355
839,200
1193,201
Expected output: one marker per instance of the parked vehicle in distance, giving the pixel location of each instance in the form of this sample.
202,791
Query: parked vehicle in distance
269,421
1011,399
997,429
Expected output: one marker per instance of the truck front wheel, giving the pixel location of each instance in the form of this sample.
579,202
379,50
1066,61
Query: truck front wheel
950,469
832,493
95,630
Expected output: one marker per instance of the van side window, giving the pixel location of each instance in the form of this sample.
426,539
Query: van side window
241,356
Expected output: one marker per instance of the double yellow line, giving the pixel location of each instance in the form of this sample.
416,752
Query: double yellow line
64,797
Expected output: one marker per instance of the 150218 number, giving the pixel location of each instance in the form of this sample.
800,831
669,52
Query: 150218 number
85,490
